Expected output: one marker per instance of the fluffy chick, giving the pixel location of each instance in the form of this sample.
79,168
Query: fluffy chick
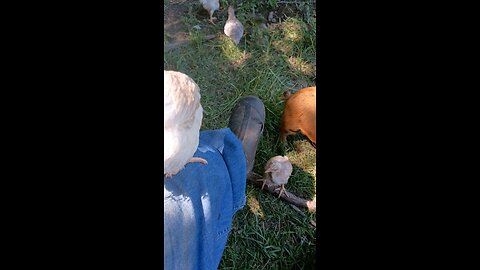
233,27
182,121
277,172
211,6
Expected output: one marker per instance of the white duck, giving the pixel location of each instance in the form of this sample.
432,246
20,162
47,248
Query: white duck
182,121
277,172
211,6
233,27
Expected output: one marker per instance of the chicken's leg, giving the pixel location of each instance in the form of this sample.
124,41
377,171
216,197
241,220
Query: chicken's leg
194,159
262,180
211,18
282,189
197,159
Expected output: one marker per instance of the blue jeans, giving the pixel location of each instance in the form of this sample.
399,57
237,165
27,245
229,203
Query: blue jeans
200,201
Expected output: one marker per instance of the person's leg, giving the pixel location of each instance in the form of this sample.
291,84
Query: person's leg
199,204
246,122
200,201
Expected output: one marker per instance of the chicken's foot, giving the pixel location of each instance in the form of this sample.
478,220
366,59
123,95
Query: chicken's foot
197,159
262,180
282,189
211,20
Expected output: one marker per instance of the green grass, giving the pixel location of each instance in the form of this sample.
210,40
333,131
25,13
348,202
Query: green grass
267,233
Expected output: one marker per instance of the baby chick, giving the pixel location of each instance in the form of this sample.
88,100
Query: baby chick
277,171
233,27
182,121
211,6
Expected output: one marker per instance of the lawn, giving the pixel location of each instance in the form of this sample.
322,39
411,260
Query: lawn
271,58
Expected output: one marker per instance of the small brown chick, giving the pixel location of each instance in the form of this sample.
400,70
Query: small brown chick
277,171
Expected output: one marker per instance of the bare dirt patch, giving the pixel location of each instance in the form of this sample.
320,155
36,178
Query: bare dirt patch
175,31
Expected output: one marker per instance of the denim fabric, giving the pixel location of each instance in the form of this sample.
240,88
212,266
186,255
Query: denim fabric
200,201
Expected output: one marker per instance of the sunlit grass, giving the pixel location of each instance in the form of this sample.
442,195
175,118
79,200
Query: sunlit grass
267,233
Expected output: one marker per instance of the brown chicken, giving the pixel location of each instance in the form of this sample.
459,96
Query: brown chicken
300,114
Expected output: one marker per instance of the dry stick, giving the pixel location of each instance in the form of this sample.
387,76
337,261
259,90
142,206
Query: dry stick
311,222
292,198
298,210
175,45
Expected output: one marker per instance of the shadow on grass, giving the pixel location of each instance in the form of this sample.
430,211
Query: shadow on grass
267,233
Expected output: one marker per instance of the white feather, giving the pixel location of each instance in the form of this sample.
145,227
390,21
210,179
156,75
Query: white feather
182,120
210,5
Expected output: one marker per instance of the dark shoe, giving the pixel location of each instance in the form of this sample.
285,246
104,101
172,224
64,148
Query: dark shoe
246,122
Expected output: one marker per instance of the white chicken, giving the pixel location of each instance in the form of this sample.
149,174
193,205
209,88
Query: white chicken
233,27
182,121
277,172
211,6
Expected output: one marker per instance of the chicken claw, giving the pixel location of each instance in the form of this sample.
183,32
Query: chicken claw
262,180
194,159
168,175
197,159
211,20
282,189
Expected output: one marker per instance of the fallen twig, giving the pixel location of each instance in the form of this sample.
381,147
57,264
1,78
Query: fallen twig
298,210
291,198
311,222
